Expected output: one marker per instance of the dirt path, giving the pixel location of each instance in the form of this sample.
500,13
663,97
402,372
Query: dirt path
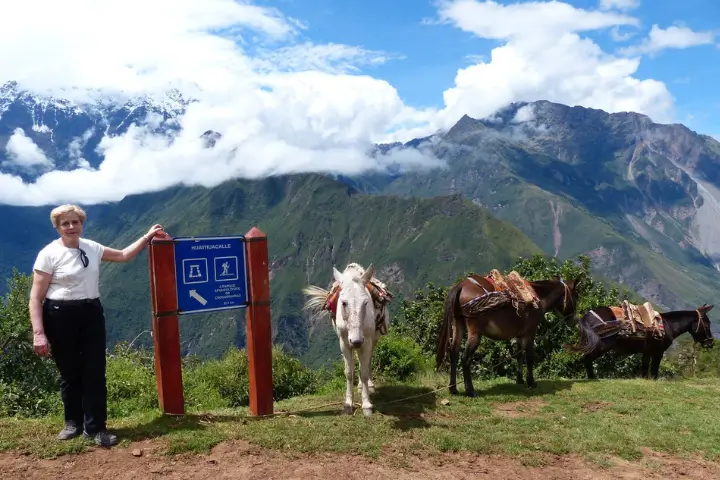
240,460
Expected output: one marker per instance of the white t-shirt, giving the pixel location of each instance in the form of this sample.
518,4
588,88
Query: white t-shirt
70,279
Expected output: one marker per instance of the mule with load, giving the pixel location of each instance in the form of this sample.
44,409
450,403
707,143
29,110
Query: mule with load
500,308
629,329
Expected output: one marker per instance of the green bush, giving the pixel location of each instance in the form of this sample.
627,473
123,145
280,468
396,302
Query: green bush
290,377
225,383
397,357
227,377
130,381
28,383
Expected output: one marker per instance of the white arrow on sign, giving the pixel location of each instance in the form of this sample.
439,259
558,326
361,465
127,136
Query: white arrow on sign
197,296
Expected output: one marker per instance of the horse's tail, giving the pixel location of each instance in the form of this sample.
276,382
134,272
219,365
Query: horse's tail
448,316
589,339
316,302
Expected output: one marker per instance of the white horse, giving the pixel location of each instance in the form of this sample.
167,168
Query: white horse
356,324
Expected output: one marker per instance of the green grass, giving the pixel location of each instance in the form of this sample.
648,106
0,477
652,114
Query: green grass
599,420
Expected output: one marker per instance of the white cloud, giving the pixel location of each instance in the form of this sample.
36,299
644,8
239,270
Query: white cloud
537,20
544,57
677,37
524,114
24,153
132,45
281,103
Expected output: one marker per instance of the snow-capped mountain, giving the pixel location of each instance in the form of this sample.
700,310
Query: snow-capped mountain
67,133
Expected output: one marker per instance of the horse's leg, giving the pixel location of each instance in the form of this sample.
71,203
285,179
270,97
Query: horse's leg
527,343
365,358
527,347
655,365
520,362
458,333
588,361
645,364
471,346
589,358
349,371
371,385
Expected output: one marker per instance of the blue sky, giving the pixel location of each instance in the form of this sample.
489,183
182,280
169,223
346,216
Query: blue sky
433,53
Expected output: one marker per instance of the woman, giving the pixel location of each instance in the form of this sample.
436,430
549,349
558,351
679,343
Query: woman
68,321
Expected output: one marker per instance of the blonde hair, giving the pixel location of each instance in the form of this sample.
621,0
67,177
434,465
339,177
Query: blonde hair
64,210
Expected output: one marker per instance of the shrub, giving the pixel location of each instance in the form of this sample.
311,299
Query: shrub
226,381
28,383
131,382
226,376
397,357
290,377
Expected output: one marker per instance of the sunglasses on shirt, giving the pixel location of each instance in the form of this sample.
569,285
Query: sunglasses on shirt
84,258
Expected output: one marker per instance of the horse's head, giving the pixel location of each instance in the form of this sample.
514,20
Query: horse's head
559,295
356,311
700,328
570,297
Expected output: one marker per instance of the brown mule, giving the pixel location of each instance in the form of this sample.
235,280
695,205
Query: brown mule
601,331
501,324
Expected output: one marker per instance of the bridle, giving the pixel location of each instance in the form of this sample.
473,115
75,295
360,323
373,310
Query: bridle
701,321
566,294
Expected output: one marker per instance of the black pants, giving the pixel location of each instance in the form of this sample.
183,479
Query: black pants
76,333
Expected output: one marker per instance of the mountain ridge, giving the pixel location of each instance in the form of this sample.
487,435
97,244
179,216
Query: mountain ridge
558,175
566,175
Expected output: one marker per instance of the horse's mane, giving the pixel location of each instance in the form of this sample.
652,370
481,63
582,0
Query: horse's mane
544,282
677,314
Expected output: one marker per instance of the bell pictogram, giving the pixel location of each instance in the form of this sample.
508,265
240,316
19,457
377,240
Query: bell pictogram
195,271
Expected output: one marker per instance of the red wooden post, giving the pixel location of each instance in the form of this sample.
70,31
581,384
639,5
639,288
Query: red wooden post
259,332
166,327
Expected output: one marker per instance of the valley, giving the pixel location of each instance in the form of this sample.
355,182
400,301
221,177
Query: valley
640,199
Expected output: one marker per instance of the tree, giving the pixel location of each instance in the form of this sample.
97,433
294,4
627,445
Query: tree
28,382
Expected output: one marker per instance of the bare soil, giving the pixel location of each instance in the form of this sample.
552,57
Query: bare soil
595,406
526,408
241,460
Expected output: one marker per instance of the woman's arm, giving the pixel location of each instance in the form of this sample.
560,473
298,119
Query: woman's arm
132,250
40,284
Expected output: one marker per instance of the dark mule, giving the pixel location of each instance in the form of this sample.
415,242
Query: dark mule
593,346
501,324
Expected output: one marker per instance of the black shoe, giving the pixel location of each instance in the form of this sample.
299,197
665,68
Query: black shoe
102,439
71,430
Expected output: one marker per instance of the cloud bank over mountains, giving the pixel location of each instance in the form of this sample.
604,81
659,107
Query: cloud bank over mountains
284,104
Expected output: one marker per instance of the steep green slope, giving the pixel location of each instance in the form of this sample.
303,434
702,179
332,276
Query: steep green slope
621,255
311,222
581,181
26,231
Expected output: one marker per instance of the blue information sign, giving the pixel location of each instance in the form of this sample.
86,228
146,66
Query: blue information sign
210,273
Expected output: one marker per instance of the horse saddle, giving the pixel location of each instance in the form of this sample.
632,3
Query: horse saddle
379,295
513,283
644,315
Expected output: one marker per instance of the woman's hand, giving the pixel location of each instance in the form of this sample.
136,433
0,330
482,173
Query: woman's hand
153,231
40,344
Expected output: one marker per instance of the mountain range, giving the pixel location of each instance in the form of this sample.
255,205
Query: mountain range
640,198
